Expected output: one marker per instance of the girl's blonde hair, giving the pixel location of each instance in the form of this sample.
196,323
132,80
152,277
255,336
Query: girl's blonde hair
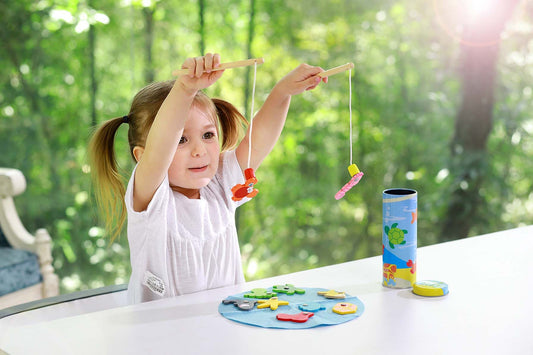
109,183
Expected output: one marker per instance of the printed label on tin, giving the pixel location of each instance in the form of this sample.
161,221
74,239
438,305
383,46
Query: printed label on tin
399,240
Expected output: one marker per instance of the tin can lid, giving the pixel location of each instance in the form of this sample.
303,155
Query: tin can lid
430,288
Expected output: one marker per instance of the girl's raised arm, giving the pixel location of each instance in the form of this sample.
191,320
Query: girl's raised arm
269,121
155,157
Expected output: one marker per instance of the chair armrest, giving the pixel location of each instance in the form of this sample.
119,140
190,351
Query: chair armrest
12,182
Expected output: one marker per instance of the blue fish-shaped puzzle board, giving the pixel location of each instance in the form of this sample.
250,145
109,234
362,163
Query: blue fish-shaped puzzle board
266,317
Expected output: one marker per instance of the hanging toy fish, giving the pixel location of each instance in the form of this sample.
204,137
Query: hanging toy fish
247,189
352,169
356,177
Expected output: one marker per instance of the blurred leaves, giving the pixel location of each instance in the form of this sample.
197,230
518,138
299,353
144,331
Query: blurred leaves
406,92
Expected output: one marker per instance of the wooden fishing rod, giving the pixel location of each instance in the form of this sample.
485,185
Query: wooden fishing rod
336,70
228,65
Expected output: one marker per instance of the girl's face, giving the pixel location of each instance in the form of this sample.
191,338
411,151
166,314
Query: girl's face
196,159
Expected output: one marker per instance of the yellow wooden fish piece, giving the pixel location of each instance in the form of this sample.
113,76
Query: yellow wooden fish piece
273,303
332,294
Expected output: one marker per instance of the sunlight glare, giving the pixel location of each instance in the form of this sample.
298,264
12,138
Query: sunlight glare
456,17
478,8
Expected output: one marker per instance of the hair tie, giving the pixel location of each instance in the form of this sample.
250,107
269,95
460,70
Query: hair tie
126,119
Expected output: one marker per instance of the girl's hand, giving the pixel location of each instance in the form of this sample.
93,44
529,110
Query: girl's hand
201,74
303,78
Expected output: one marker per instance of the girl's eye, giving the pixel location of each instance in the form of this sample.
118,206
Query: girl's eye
209,135
183,140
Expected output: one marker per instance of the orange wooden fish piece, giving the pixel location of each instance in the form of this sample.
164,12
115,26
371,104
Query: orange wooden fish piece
247,189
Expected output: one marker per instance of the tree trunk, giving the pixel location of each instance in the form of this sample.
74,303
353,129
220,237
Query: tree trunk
201,12
92,73
251,28
149,73
473,123
247,95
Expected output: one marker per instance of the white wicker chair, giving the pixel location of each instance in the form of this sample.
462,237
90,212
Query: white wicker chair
13,183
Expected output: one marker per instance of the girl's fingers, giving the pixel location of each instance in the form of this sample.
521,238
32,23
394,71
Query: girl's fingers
216,60
199,65
199,68
216,75
312,82
189,64
208,62
325,79
200,73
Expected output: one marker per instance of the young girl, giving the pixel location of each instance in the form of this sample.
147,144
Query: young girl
180,212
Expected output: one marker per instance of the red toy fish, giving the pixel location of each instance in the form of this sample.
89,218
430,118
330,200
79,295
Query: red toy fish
247,189
301,317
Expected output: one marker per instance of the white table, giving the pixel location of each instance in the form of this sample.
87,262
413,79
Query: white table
488,311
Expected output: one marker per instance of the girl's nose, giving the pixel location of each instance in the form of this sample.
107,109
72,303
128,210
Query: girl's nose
198,149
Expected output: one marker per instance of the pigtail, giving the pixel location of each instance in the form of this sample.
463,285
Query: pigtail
108,182
232,124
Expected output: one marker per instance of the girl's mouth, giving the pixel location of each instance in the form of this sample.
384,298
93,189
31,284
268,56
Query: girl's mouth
198,170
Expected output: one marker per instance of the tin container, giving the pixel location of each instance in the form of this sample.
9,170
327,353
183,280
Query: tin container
399,237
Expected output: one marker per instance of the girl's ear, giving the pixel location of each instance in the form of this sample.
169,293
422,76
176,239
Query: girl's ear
138,152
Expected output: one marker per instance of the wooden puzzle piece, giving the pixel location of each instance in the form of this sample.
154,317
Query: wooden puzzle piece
247,189
273,303
332,294
301,317
288,289
345,308
245,305
311,307
260,293
353,181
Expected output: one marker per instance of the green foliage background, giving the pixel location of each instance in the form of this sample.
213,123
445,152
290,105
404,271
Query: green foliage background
406,91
